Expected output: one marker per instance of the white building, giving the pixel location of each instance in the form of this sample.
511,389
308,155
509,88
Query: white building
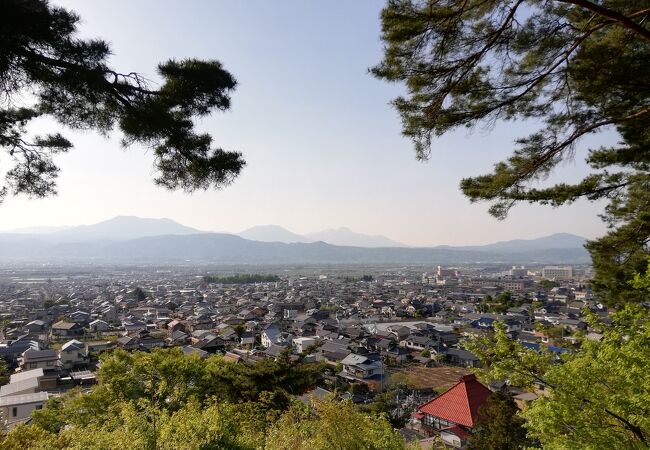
271,335
302,343
518,272
16,409
290,313
557,272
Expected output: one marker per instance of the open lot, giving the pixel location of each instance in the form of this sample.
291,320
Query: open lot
436,378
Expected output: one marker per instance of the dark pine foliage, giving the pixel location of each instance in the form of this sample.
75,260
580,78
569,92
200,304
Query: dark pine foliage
47,71
578,66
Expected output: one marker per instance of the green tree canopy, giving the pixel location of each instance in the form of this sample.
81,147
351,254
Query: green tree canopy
548,284
4,371
578,66
596,398
169,377
69,80
332,425
168,400
499,427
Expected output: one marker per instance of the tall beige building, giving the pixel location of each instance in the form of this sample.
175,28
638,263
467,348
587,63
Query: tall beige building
557,272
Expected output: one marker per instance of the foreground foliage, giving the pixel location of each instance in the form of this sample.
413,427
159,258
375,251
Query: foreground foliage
167,400
332,426
596,398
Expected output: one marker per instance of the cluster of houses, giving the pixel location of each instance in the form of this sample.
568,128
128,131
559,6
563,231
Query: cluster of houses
53,327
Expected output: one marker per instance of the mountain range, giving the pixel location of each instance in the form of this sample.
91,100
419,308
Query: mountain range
131,239
334,236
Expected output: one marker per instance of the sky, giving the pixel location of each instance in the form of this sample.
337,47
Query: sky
322,143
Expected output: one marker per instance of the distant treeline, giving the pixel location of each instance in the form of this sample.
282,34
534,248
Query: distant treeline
241,279
355,279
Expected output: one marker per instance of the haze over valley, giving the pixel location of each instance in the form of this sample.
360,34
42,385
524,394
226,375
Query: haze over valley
129,239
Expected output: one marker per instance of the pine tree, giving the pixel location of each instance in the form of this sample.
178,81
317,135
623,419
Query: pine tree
70,81
139,294
578,66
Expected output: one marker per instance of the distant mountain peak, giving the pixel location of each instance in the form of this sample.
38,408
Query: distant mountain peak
272,233
556,240
125,218
120,228
345,236
334,236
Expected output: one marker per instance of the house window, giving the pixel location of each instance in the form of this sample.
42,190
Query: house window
437,423
32,365
14,411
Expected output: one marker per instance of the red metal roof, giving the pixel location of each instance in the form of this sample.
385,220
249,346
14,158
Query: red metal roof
460,403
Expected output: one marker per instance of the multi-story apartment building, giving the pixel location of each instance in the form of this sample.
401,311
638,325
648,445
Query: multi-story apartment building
557,272
503,283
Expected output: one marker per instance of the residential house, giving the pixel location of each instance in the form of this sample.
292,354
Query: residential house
99,346
46,380
98,325
210,344
461,357
27,385
334,352
452,415
128,343
21,376
134,326
108,313
67,329
80,317
271,335
35,326
400,332
11,353
178,337
396,353
303,343
418,343
72,355
247,338
175,325
149,340
35,359
363,369
17,409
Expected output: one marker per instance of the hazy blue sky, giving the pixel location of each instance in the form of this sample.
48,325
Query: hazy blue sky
323,145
